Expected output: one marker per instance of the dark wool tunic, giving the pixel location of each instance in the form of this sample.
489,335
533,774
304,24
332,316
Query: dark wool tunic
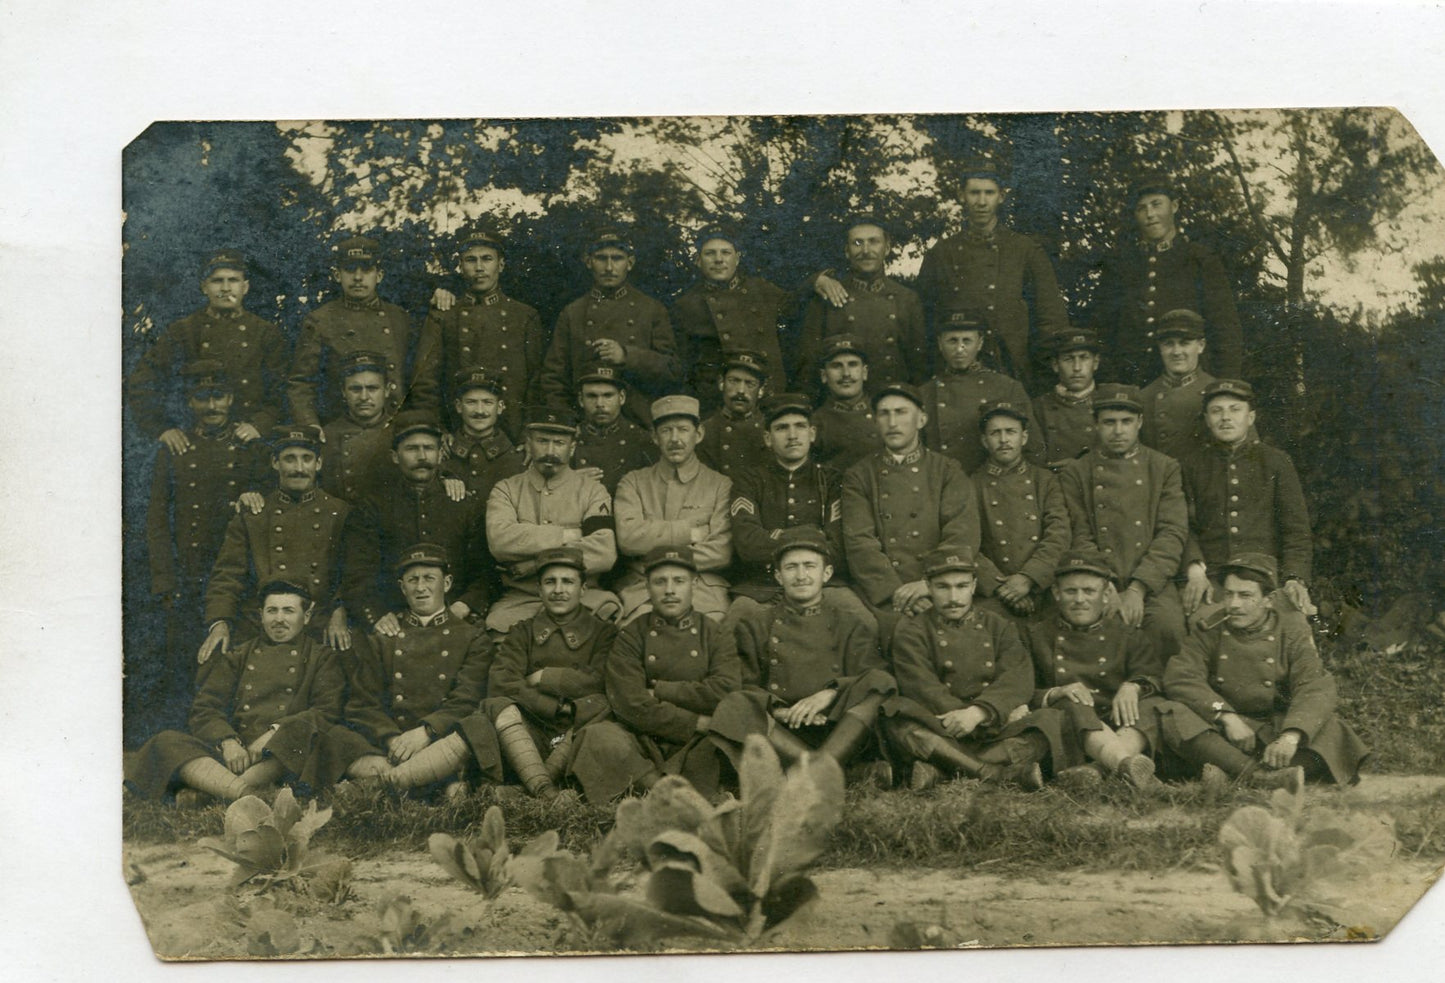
1174,414
1065,424
354,457
847,432
482,463
955,401
617,449
1132,508
748,313
769,499
731,444
884,316
329,334
1023,523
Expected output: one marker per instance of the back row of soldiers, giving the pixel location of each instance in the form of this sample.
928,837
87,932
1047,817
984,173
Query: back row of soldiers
712,495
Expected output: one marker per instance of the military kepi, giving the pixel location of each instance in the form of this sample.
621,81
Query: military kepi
1257,563
661,556
206,375
1237,388
749,361
600,372
283,587
469,379
1116,397
1084,561
1180,323
610,237
550,419
224,259
670,406
296,435
408,422
803,538
561,556
936,563
357,251
841,344
1002,407
363,361
423,555
898,389
1081,340
964,321
784,403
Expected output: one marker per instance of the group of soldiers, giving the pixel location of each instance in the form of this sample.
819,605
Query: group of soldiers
853,518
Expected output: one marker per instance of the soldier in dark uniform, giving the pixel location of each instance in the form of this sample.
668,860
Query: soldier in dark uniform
1172,418
733,436
812,673
1023,520
546,680
847,432
1065,414
1105,676
478,451
882,315
358,442
412,505
608,444
962,387
727,310
1256,676
897,505
1127,501
665,675
993,269
192,496
1244,497
251,349
358,320
483,329
412,705
298,534
258,712
1163,271
615,324
964,685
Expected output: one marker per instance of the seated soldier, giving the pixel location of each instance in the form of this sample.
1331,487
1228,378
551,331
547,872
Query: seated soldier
733,436
964,684
478,451
1172,421
256,715
664,677
812,673
1098,671
1256,676
1066,412
411,712
546,680
846,431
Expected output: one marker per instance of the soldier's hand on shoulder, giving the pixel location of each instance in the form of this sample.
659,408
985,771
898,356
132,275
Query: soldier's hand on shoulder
443,299
254,501
907,597
1197,590
456,488
1131,607
1014,588
1299,596
387,625
218,637
338,635
246,432
830,290
176,441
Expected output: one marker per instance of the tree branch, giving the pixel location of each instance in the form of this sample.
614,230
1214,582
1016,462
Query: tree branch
1254,213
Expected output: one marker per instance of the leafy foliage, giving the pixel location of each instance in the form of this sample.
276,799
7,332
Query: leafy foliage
271,844
482,862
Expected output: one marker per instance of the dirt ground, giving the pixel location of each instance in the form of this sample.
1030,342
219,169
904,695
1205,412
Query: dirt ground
180,891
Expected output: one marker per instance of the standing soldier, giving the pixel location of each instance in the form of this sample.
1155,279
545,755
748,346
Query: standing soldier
358,320
297,534
1066,412
251,349
1258,679
733,436
608,445
191,499
812,673
546,680
964,685
483,329
884,317
358,439
1127,501
1244,497
726,310
679,501
963,387
847,432
665,675
1023,520
478,451
993,269
546,507
615,324
1163,271
897,505
1172,421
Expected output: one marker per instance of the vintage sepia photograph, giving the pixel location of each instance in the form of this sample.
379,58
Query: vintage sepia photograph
735,533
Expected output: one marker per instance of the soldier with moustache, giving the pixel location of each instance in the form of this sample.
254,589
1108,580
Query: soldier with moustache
412,504
1172,419
478,451
813,677
484,329
1163,271
900,503
358,320
192,496
1255,676
964,685
251,349
297,534
1023,519
847,432
1126,501
962,387
733,436
1065,414
257,715
726,310
664,677
614,324
358,442
608,444
882,316
547,507
1244,497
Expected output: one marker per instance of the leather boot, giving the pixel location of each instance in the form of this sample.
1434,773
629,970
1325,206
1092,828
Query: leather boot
851,734
1210,748
790,746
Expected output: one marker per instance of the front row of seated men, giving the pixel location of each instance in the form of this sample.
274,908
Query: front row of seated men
1075,694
